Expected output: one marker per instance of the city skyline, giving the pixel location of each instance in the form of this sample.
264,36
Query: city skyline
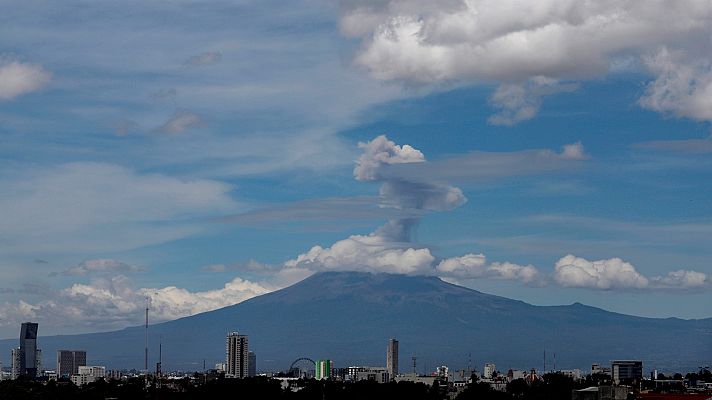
198,155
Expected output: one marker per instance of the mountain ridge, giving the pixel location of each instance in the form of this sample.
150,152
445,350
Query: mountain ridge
349,316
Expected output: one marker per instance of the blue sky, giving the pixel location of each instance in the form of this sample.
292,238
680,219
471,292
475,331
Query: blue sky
199,154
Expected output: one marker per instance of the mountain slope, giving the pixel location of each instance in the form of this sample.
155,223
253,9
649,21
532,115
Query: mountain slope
348,317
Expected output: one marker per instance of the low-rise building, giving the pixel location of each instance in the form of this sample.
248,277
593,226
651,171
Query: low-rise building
88,374
626,371
428,380
601,393
489,371
598,369
378,374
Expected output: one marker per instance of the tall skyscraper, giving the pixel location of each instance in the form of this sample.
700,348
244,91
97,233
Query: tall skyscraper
237,359
392,358
69,361
28,360
323,369
251,364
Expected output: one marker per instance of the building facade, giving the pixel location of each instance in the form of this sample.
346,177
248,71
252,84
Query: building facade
376,374
29,363
626,371
15,359
237,358
392,358
87,374
489,370
323,369
69,361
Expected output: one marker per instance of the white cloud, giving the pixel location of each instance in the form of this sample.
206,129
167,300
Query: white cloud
473,266
367,253
100,207
18,78
102,266
512,42
181,122
114,302
683,85
682,279
574,152
172,302
614,273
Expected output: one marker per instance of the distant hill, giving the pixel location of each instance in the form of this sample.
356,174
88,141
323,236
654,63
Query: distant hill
349,317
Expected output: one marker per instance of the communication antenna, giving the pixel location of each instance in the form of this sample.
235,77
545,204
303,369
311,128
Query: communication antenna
554,362
159,366
469,362
544,361
145,353
414,358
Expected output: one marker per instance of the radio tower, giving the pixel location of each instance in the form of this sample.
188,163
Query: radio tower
145,354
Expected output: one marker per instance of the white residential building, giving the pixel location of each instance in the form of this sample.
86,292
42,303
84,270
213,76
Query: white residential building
489,371
88,374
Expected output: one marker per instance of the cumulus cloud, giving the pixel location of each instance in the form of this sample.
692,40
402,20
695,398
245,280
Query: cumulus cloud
114,302
572,271
202,59
369,253
614,273
472,266
573,152
102,266
512,42
682,279
181,122
18,78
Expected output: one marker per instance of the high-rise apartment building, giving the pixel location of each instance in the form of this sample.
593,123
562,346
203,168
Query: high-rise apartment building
237,358
323,369
69,361
392,358
15,359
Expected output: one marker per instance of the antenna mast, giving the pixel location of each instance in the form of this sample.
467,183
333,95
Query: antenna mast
145,353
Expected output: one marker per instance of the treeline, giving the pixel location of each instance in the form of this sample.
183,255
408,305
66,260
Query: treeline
551,387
